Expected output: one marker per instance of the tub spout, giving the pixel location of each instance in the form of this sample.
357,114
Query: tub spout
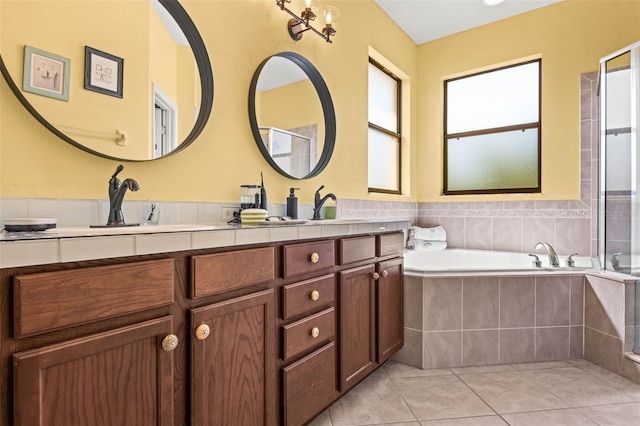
553,257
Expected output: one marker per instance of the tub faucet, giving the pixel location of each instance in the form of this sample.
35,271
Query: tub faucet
117,190
319,202
553,257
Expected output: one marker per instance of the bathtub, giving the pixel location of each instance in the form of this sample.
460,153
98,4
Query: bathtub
455,260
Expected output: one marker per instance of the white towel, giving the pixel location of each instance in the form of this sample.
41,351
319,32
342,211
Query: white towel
422,245
437,233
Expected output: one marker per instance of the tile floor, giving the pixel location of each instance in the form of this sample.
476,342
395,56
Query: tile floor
575,392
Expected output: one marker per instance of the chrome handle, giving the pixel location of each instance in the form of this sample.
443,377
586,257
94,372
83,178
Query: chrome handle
536,261
315,295
570,262
385,274
170,342
202,331
315,332
376,276
315,257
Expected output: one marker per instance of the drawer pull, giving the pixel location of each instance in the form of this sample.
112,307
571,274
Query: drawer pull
315,295
315,332
315,257
385,274
170,342
376,276
202,331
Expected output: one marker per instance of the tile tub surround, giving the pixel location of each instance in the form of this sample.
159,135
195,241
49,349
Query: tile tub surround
475,321
574,392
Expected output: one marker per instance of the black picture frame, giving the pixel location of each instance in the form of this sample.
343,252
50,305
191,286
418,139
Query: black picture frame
103,72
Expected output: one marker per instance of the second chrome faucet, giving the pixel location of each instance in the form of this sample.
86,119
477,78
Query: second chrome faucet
553,257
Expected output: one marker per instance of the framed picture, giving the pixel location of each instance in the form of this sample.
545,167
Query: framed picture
103,72
46,74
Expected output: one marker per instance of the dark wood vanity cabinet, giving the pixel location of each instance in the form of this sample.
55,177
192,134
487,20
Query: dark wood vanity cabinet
257,335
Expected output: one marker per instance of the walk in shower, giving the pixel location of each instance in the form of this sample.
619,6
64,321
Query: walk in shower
619,162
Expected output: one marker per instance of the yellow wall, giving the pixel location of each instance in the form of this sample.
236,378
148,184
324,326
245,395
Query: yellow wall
239,34
571,37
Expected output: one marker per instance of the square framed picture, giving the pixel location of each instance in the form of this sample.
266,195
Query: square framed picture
46,74
103,72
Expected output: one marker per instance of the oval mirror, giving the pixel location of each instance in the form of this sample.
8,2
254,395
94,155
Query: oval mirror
76,67
292,117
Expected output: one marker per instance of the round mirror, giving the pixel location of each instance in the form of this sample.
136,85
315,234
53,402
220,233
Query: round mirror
77,68
291,115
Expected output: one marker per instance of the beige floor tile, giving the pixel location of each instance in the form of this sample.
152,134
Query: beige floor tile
371,402
577,387
619,382
440,397
570,417
483,369
540,365
467,421
380,373
512,392
614,415
323,419
398,424
397,369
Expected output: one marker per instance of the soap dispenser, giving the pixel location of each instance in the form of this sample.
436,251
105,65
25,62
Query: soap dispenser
292,204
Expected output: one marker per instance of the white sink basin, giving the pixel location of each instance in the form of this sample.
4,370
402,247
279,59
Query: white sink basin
81,231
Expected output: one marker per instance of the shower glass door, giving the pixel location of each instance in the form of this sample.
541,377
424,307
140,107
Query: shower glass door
619,158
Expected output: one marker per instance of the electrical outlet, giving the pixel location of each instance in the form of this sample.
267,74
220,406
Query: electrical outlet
228,213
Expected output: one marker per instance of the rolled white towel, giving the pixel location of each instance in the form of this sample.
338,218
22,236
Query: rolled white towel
436,233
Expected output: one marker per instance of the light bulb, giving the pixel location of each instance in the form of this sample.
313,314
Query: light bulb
492,2
331,15
308,3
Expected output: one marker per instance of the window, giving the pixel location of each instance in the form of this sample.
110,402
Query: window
384,130
492,131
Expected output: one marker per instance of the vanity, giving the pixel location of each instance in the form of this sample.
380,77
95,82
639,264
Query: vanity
241,334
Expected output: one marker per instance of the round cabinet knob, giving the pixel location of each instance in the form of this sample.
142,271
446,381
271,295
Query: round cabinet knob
315,295
376,276
315,332
385,274
315,257
169,343
202,331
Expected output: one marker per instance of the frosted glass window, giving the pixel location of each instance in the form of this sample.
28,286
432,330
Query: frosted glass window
384,158
384,130
383,99
506,161
494,99
492,134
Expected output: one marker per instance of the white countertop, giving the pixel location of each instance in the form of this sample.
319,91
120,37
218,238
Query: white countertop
85,243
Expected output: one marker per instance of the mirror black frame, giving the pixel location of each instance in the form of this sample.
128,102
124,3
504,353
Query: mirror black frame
192,35
327,110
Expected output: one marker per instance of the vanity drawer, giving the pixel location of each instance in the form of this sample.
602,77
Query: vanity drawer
308,257
301,335
307,295
220,272
390,244
309,385
357,249
54,300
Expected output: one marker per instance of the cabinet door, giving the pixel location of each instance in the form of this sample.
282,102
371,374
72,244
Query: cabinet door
120,377
357,325
390,316
233,366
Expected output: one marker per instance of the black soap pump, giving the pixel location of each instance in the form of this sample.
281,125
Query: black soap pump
292,204
263,194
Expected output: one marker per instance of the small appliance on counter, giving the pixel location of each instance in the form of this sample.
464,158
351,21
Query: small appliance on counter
29,224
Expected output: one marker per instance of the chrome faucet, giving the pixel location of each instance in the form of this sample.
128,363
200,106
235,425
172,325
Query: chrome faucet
553,257
117,190
319,202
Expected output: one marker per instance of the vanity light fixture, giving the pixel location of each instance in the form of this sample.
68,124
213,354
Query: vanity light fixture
297,25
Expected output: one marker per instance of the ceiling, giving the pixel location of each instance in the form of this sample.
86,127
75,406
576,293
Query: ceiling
426,20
